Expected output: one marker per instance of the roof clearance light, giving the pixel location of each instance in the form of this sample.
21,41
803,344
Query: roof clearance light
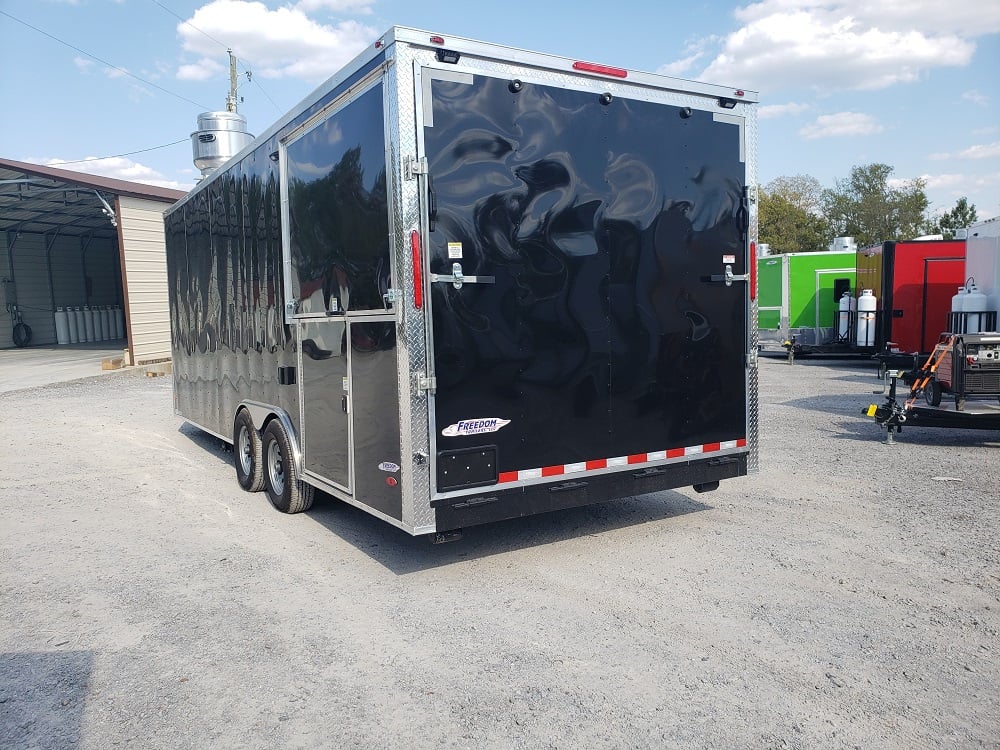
740,92
604,70
437,40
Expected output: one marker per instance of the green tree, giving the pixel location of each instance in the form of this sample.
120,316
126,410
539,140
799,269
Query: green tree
867,207
961,216
788,215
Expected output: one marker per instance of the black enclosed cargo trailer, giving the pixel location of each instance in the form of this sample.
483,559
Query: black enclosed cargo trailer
462,283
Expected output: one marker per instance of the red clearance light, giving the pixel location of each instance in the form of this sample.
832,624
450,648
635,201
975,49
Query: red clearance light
437,40
740,92
753,270
379,44
604,70
418,274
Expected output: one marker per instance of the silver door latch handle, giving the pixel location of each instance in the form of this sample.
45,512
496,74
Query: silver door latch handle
731,277
456,278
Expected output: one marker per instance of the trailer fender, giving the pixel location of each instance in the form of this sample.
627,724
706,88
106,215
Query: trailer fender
261,414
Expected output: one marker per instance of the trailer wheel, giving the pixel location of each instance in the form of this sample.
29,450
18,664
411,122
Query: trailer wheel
932,393
284,489
248,454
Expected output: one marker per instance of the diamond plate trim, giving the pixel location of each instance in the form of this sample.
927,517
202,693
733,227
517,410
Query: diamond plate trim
401,147
753,400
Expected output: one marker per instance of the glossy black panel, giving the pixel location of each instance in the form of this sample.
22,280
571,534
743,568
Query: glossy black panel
223,266
325,445
375,400
598,338
338,212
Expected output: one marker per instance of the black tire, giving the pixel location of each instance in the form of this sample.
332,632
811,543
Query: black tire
284,489
248,453
932,393
22,335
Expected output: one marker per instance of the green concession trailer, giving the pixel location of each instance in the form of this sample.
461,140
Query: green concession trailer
799,296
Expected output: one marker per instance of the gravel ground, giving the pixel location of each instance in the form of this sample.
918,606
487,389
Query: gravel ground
845,597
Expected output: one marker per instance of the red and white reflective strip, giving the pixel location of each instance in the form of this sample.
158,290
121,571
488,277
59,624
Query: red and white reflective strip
611,463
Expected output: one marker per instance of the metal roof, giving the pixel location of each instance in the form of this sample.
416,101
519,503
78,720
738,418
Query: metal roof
41,199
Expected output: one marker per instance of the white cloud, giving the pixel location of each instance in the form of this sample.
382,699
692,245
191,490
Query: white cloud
693,53
991,130
769,111
976,98
202,70
846,44
117,167
979,151
277,43
841,124
362,7
83,64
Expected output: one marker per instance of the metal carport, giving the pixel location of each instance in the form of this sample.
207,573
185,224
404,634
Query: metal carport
77,240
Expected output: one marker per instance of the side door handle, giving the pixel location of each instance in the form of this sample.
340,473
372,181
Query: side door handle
457,279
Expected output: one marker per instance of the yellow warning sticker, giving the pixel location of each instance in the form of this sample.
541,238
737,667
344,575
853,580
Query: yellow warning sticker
872,409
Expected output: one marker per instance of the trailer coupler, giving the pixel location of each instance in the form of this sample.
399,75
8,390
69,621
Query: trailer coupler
889,415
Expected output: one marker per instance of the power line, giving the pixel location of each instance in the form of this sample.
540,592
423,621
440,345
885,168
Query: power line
127,153
225,46
102,61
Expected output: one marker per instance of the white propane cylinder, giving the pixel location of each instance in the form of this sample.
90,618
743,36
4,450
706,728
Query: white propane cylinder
105,323
74,333
62,326
81,327
88,323
867,304
847,305
119,317
975,303
958,306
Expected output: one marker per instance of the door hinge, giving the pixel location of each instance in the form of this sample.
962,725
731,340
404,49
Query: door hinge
425,383
752,359
414,166
393,296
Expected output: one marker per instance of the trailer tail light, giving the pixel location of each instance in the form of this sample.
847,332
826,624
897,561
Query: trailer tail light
753,270
604,70
418,273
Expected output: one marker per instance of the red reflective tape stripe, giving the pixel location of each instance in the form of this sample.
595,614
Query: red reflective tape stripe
753,270
601,463
418,273
638,458
552,471
507,476
741,443
711,447
675,453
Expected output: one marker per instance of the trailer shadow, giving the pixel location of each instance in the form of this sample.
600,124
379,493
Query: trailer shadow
42,698
869,432
845,404
402,554
212,445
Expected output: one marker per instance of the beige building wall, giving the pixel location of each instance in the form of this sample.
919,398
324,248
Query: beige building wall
144,270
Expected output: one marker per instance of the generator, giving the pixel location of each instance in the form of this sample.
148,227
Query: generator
969,367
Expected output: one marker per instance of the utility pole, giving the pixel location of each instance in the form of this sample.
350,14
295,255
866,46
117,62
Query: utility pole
231,99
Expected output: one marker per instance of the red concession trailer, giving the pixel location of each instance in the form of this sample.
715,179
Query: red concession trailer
913,282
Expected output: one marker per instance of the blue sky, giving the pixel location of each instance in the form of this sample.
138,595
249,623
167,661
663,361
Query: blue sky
910,83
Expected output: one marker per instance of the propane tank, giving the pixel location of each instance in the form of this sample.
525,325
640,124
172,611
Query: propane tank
958,306
105,323
81,327
847,306
867,304
74,333
974,303
88,323
62,326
